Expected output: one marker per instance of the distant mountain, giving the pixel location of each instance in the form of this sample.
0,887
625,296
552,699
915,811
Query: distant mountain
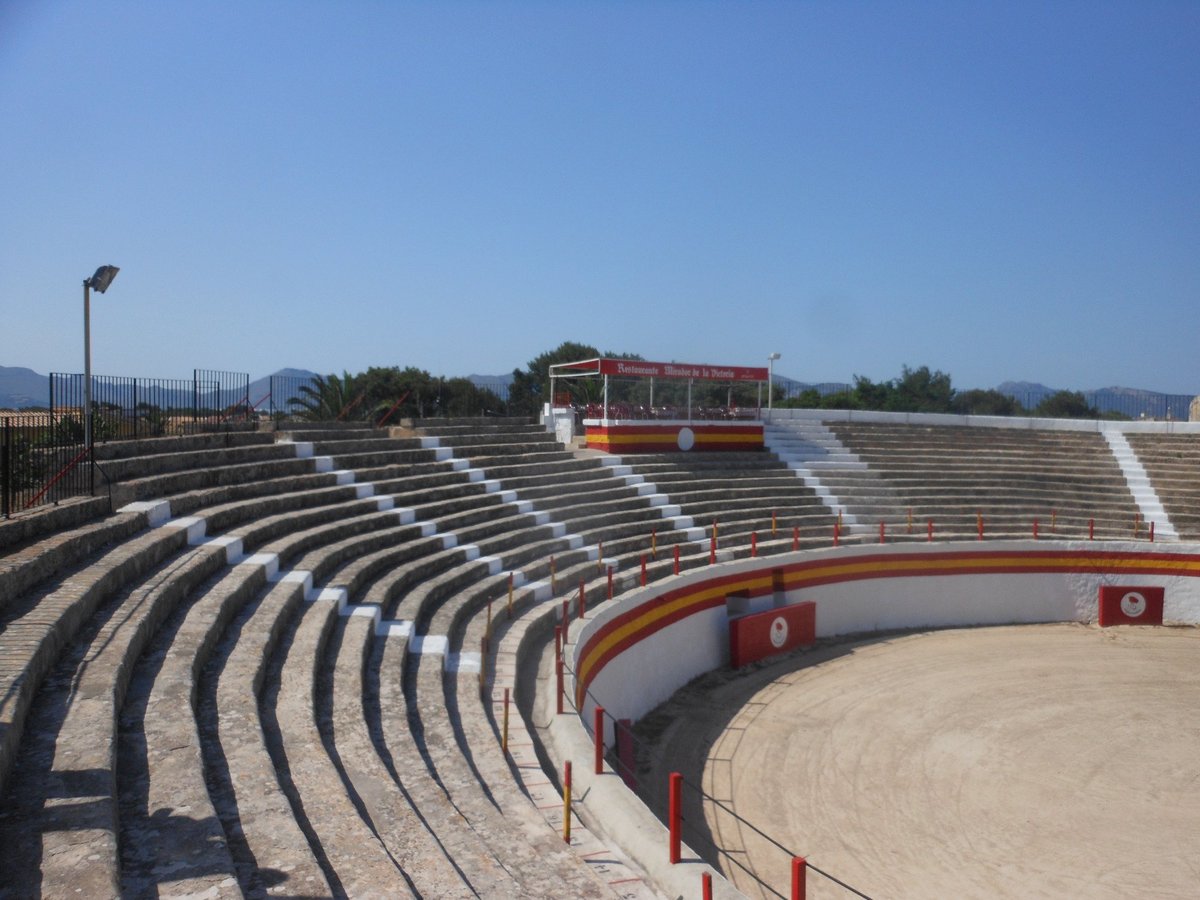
287,382
1022,388
20,388
1135,403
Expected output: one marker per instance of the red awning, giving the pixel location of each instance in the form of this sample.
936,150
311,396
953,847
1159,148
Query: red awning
637,368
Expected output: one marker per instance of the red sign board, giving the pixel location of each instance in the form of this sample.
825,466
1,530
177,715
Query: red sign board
641,369
1122,605
764,634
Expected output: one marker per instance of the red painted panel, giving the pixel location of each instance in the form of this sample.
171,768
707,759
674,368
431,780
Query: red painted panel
764,634
1124,605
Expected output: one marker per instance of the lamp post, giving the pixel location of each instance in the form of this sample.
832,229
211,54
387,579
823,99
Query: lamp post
99,282
771,357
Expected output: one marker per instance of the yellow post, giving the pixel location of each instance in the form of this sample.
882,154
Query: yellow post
654,543
567,801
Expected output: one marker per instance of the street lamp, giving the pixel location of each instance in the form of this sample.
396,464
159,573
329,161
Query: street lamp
98,282
771,357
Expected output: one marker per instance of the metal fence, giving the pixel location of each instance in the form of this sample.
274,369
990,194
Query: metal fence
42,461
283,396
125,407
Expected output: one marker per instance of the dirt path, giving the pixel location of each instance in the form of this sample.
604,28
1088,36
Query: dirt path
1034,761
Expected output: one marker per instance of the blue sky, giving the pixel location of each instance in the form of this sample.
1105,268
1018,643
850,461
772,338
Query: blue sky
998,190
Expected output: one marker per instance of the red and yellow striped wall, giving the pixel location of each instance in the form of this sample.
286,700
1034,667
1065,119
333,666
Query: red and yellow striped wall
667,437
653,614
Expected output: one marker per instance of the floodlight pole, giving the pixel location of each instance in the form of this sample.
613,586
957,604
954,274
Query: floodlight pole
771,357
100,281
87,365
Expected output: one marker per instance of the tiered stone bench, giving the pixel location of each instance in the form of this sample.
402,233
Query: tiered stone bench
1173,463
264,677
951,474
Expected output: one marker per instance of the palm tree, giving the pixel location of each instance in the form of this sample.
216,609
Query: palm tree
327,398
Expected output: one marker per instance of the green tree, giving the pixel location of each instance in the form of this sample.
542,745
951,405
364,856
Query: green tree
531,386
1066,405
986,403
919,390
327,398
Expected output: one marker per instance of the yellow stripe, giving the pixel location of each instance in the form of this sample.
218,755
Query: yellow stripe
896,567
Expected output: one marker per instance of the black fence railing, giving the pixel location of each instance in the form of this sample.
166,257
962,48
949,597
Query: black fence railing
284,396
1122,404
41,462
125,408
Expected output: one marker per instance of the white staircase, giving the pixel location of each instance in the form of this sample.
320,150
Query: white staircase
809,448
1139,485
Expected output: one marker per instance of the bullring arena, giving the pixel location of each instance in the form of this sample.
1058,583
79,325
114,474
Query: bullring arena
319,660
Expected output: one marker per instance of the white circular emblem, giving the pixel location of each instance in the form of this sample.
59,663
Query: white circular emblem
1133,604
779,631
686,439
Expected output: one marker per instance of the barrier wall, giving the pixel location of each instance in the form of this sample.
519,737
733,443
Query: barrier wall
1136,426
633,653
671,437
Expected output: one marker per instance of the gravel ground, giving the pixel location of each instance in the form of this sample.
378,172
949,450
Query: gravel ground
1026,761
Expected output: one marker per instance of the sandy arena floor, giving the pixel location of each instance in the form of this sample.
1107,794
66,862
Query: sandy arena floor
1034,761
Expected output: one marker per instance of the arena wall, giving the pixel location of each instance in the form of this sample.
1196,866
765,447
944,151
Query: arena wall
631,654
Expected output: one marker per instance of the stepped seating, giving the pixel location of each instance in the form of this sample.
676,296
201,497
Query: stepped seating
951,474
1173,463
297,702
740,492
176,575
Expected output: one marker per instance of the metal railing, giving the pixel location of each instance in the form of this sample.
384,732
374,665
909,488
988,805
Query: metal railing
42,461
126,408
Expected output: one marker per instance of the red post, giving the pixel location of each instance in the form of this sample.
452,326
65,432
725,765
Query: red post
882,532
1152,531
582,598
795,538
676,559
643,570
712,552
566,617
598,729
929,531
610,588
837,533
560,685
799,877
558,644
1091,529
714,534
706,886
1035,529
753,543
674,814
